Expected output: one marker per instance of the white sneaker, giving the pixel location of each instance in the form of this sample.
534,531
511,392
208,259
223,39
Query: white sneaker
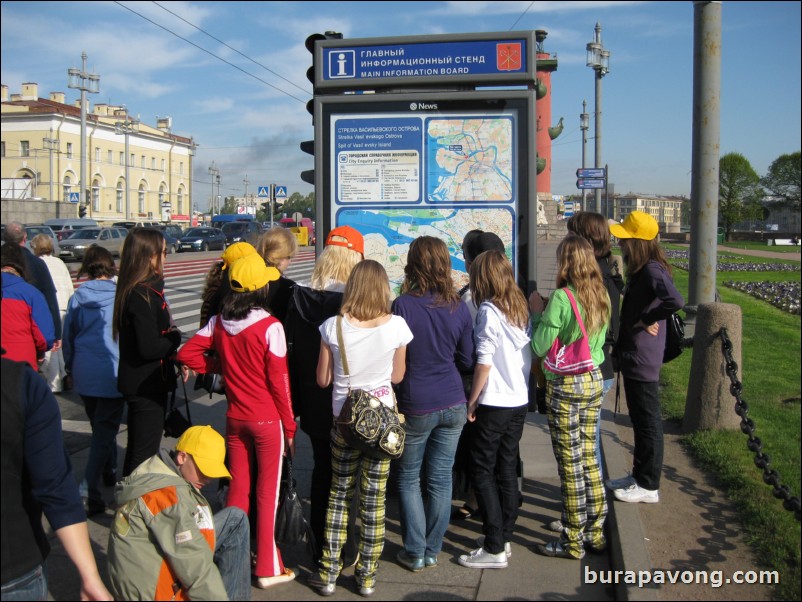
556,526
285,577
482,559
480,541
635,493
613,484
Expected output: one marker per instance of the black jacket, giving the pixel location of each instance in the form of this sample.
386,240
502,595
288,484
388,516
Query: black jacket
307,310
614,284
147,344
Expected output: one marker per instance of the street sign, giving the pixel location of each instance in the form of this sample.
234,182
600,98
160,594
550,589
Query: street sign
281,192
263,192
592,172
568,209
297,216
582,184
74,197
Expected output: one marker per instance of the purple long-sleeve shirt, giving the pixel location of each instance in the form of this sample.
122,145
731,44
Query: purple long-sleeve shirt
650,296
443,345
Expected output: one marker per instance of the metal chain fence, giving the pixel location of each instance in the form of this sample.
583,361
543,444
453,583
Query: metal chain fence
762,460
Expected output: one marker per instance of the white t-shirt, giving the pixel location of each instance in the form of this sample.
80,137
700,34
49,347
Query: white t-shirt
369,352
62,280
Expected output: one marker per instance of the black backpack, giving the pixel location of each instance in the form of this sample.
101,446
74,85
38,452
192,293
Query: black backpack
675,337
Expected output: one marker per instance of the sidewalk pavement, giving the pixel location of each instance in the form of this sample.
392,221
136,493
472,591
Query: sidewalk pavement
529,576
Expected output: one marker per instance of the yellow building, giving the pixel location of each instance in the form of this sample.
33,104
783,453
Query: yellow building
666,210
41,163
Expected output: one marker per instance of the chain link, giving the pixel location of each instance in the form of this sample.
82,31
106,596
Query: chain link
762,460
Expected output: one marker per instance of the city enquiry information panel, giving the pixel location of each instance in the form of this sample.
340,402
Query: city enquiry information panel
399,166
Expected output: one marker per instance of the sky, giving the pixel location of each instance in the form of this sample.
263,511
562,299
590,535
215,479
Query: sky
232,75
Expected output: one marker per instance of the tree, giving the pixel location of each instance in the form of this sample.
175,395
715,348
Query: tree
784,180
739,192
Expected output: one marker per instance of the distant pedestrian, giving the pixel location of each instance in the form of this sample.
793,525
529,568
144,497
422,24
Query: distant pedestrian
308,309
497,404
374,342
574,400
431,397
27,327
650,297
37,479
260,427
148,341
52,367
92,358
37,274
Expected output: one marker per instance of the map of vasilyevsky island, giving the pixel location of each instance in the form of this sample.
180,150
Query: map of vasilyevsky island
389,232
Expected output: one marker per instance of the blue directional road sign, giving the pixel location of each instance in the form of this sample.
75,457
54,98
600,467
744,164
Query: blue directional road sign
592,172
263,192
590,183
281,192
74,197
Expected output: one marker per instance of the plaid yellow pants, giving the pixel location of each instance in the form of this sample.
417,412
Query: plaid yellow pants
347,464
573,411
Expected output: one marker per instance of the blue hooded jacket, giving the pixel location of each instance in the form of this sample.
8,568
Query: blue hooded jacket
90,353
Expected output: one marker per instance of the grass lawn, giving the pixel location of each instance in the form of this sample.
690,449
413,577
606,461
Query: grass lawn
761,246
770,373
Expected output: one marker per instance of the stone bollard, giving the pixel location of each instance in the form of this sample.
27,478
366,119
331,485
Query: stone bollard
709,404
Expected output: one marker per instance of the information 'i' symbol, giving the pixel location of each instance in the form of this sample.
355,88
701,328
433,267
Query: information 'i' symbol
341,64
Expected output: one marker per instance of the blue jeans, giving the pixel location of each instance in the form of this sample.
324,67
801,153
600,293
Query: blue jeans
105,415
232,551
31,586
431,438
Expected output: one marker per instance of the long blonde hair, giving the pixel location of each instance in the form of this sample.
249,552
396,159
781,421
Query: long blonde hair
334,264
492,280
577,266
367,292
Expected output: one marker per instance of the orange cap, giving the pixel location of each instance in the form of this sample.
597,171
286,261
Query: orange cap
348,237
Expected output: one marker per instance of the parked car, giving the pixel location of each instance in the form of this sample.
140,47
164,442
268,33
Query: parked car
63,227
240,231
34,229
175,230
79,241
202,239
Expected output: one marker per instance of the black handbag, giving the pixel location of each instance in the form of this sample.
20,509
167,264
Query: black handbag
291,525
675,337
211,382
175,423
365,422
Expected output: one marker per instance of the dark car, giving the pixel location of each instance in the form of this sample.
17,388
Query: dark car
240,231
202,239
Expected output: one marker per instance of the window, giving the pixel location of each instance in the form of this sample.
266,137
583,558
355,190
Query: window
69,150
25,148
180,201
3,149
122,158
153,163
110,157
120,197
95,195
97,154
66,189
141,199
142,162
164,164
180,167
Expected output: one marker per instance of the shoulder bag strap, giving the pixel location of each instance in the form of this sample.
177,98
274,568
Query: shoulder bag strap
341,345
576,312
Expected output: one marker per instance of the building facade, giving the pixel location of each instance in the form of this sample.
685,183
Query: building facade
41,164
666,210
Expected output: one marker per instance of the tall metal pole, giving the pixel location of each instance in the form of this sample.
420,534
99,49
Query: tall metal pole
215,173
85,82
705,157
127,127
51,144
583,125
599,60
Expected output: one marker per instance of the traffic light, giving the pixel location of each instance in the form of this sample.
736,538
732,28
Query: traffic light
310,46
308,175
266,207
82,211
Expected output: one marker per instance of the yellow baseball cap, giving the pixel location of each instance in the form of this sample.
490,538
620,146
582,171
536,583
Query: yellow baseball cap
236,251
207,448
636,225
250,273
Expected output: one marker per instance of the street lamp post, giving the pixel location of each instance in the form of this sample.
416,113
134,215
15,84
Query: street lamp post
127,127
584,124
85,82
599,60
215,173
51,144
